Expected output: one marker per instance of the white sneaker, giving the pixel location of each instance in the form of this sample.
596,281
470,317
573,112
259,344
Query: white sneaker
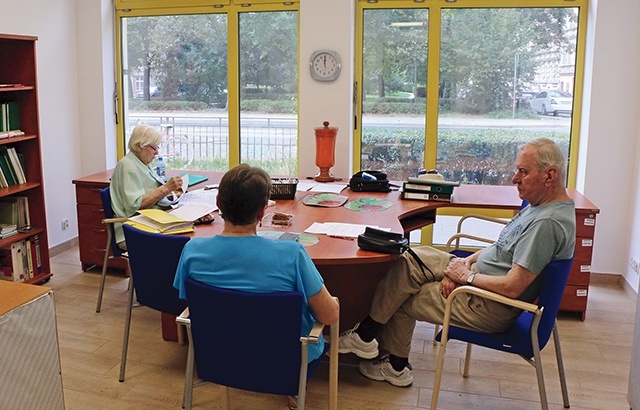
350,342
381,370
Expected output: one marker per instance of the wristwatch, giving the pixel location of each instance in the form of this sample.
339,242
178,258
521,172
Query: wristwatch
470,278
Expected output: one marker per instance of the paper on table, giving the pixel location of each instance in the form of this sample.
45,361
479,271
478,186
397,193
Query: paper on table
305,186
202,196
193,211
340,229
333,188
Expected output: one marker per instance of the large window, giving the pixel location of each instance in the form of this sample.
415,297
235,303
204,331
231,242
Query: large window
458,86
221,86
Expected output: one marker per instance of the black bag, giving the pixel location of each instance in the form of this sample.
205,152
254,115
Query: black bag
377,240
359,184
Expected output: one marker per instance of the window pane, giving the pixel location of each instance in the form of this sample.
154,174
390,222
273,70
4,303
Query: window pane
175,77
394,77
269,90
506,77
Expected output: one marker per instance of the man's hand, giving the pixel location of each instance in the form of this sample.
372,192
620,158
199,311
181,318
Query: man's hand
447,286
457,271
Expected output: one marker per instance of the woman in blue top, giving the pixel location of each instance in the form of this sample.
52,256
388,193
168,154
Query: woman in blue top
240,259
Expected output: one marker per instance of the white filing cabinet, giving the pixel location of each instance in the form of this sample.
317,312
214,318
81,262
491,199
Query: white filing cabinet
30,376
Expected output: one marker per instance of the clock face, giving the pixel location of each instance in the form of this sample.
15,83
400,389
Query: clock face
325,65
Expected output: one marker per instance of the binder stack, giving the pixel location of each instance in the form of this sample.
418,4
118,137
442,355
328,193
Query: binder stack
428,187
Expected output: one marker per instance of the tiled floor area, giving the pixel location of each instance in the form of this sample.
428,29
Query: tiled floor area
596,352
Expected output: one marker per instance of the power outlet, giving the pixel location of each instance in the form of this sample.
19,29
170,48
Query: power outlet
633,262
64,224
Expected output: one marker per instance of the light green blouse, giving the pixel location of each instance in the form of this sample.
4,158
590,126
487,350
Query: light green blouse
130,181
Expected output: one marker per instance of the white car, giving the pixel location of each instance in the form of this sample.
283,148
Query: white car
556,102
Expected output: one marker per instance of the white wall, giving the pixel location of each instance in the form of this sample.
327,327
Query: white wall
55,25
326,25
75,54
610,131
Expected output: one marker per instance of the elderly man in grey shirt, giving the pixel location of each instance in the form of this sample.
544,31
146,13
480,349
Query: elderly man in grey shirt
413,289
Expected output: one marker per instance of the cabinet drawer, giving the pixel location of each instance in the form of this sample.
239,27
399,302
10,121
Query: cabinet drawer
90,215
91,244
585,224
574,298
89,194
584,250
580,274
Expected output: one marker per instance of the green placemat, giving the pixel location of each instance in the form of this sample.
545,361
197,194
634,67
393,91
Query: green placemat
304,239
368,205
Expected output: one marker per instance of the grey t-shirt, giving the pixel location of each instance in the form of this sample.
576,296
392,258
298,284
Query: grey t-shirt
536,236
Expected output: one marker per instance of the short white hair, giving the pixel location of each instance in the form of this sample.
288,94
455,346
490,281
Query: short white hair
144,135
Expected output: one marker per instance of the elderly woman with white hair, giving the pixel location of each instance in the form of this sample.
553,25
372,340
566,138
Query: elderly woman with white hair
134,183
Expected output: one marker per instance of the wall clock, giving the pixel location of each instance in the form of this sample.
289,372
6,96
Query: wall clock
324,65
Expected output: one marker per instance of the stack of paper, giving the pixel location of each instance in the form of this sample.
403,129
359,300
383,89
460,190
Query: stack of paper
159,221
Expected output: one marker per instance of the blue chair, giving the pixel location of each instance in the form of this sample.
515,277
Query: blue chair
526,337
111,249
251,341
153,259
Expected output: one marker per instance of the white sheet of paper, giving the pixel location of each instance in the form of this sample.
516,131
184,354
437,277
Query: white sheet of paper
305,186
193,210
333,188
201,196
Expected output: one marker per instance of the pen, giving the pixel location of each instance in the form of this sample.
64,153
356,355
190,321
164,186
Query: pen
341,237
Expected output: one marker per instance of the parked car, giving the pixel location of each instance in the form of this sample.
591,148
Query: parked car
556,102
523,99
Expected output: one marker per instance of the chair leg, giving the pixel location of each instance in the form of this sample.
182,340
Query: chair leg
127,327
467,361
563,380
435,333
544,404
438,378
302,385
187,397
333,367
104,271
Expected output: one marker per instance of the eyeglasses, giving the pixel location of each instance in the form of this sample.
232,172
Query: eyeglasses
154,147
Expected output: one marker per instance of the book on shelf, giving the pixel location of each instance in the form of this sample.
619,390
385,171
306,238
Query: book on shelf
6,167
14,210
436,189
17,161
12,262
29,257
426,196
7,230
9,116
35,254
159,221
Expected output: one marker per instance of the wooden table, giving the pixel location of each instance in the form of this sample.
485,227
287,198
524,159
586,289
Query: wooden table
352,274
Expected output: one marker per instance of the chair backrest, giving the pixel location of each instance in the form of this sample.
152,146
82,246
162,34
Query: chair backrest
554,280
553,284
153,259
246,340
105,197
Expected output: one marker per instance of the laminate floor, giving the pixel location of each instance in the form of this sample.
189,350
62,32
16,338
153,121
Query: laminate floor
596,353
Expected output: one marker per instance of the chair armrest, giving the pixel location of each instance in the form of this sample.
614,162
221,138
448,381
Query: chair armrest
183,319
114,220
487,294
529,307
458,236
315,333
482,217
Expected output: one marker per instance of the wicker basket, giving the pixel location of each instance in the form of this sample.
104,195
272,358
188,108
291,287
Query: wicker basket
283,188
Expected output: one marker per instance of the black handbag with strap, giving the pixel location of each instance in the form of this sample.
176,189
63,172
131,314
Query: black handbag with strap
360,183
377,240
